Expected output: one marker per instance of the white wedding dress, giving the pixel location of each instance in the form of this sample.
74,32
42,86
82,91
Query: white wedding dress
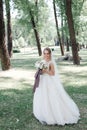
51,103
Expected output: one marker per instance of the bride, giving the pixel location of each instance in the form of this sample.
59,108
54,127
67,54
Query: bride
51,103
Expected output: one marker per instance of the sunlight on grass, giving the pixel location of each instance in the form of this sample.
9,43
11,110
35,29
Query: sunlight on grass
13,76
74,75
16,96
18,74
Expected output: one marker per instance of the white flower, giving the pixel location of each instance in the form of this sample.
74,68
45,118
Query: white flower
41,65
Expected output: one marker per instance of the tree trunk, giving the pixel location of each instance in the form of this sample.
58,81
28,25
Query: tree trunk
62,31
9,32
67,44
57,28
66,35
36,5
36,34
5,60
76,59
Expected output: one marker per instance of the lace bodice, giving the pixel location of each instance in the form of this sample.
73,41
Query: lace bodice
48,63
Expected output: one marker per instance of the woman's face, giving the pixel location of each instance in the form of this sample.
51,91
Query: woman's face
47,55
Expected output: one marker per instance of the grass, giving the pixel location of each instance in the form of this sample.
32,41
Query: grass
16,95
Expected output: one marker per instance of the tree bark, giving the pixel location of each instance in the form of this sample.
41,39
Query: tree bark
5,60
36,34
76,59
62,31
57,28
67,44
9,32
36,5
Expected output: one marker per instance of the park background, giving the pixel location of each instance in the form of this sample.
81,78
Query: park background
26,27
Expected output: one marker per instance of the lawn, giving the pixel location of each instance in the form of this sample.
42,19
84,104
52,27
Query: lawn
16,95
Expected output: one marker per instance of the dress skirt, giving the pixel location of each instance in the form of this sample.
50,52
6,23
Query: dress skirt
52,104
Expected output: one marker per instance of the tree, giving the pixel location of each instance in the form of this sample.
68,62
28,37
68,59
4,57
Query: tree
36,34
57,28
5,61
76,59
28,9
9,32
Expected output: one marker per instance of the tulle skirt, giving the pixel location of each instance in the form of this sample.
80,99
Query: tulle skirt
52,104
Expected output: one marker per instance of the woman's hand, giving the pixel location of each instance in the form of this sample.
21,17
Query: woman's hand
44,70
49,71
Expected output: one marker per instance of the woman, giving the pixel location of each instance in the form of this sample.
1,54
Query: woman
51,104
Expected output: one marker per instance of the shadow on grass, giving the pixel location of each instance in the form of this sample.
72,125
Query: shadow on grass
75,75
2,79
79,95
16,110
24,63
83,63
16,105
64,63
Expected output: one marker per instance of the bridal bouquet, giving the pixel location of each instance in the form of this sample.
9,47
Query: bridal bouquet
41,65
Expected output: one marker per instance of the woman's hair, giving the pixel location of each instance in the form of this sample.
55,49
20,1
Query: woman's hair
47,49
52,58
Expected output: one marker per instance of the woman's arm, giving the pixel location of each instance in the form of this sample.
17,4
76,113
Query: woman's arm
51,70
